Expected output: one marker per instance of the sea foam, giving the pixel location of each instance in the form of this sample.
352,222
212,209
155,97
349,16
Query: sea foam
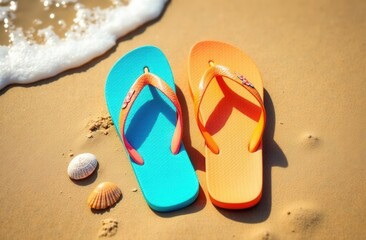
94,32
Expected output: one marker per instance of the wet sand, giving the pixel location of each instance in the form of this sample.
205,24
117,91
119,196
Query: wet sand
312,58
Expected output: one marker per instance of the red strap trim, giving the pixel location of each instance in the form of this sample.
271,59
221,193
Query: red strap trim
221,71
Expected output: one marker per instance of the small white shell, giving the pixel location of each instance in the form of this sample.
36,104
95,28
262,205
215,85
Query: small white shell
82,166
104,195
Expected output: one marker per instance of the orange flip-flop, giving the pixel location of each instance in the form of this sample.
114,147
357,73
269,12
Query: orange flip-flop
227,90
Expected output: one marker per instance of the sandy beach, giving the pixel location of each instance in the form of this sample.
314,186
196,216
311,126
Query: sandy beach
311,55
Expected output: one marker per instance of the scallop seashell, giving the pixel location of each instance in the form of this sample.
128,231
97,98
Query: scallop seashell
104,195
82,166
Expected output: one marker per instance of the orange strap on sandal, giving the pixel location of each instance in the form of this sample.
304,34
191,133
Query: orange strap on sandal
221,71
144,80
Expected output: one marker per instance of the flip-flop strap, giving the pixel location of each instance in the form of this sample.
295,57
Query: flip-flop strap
144,80
215,71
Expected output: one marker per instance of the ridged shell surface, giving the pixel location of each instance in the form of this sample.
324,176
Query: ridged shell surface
82,166
104,195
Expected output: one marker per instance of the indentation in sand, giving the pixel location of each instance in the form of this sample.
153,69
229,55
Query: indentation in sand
109,228
267,236
301,221
264,234
310,141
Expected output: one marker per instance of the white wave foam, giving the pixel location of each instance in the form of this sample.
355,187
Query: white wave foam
24,62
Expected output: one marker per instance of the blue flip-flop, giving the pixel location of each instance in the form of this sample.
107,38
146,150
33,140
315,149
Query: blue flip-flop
141,99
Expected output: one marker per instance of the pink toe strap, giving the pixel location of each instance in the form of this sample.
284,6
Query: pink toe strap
153,80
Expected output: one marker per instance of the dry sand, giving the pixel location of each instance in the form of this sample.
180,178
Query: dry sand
312,59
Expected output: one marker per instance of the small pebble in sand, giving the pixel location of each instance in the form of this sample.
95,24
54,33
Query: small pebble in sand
109,228
89,136
71,154
134,190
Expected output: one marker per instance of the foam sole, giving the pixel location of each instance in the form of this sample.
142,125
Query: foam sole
167,181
